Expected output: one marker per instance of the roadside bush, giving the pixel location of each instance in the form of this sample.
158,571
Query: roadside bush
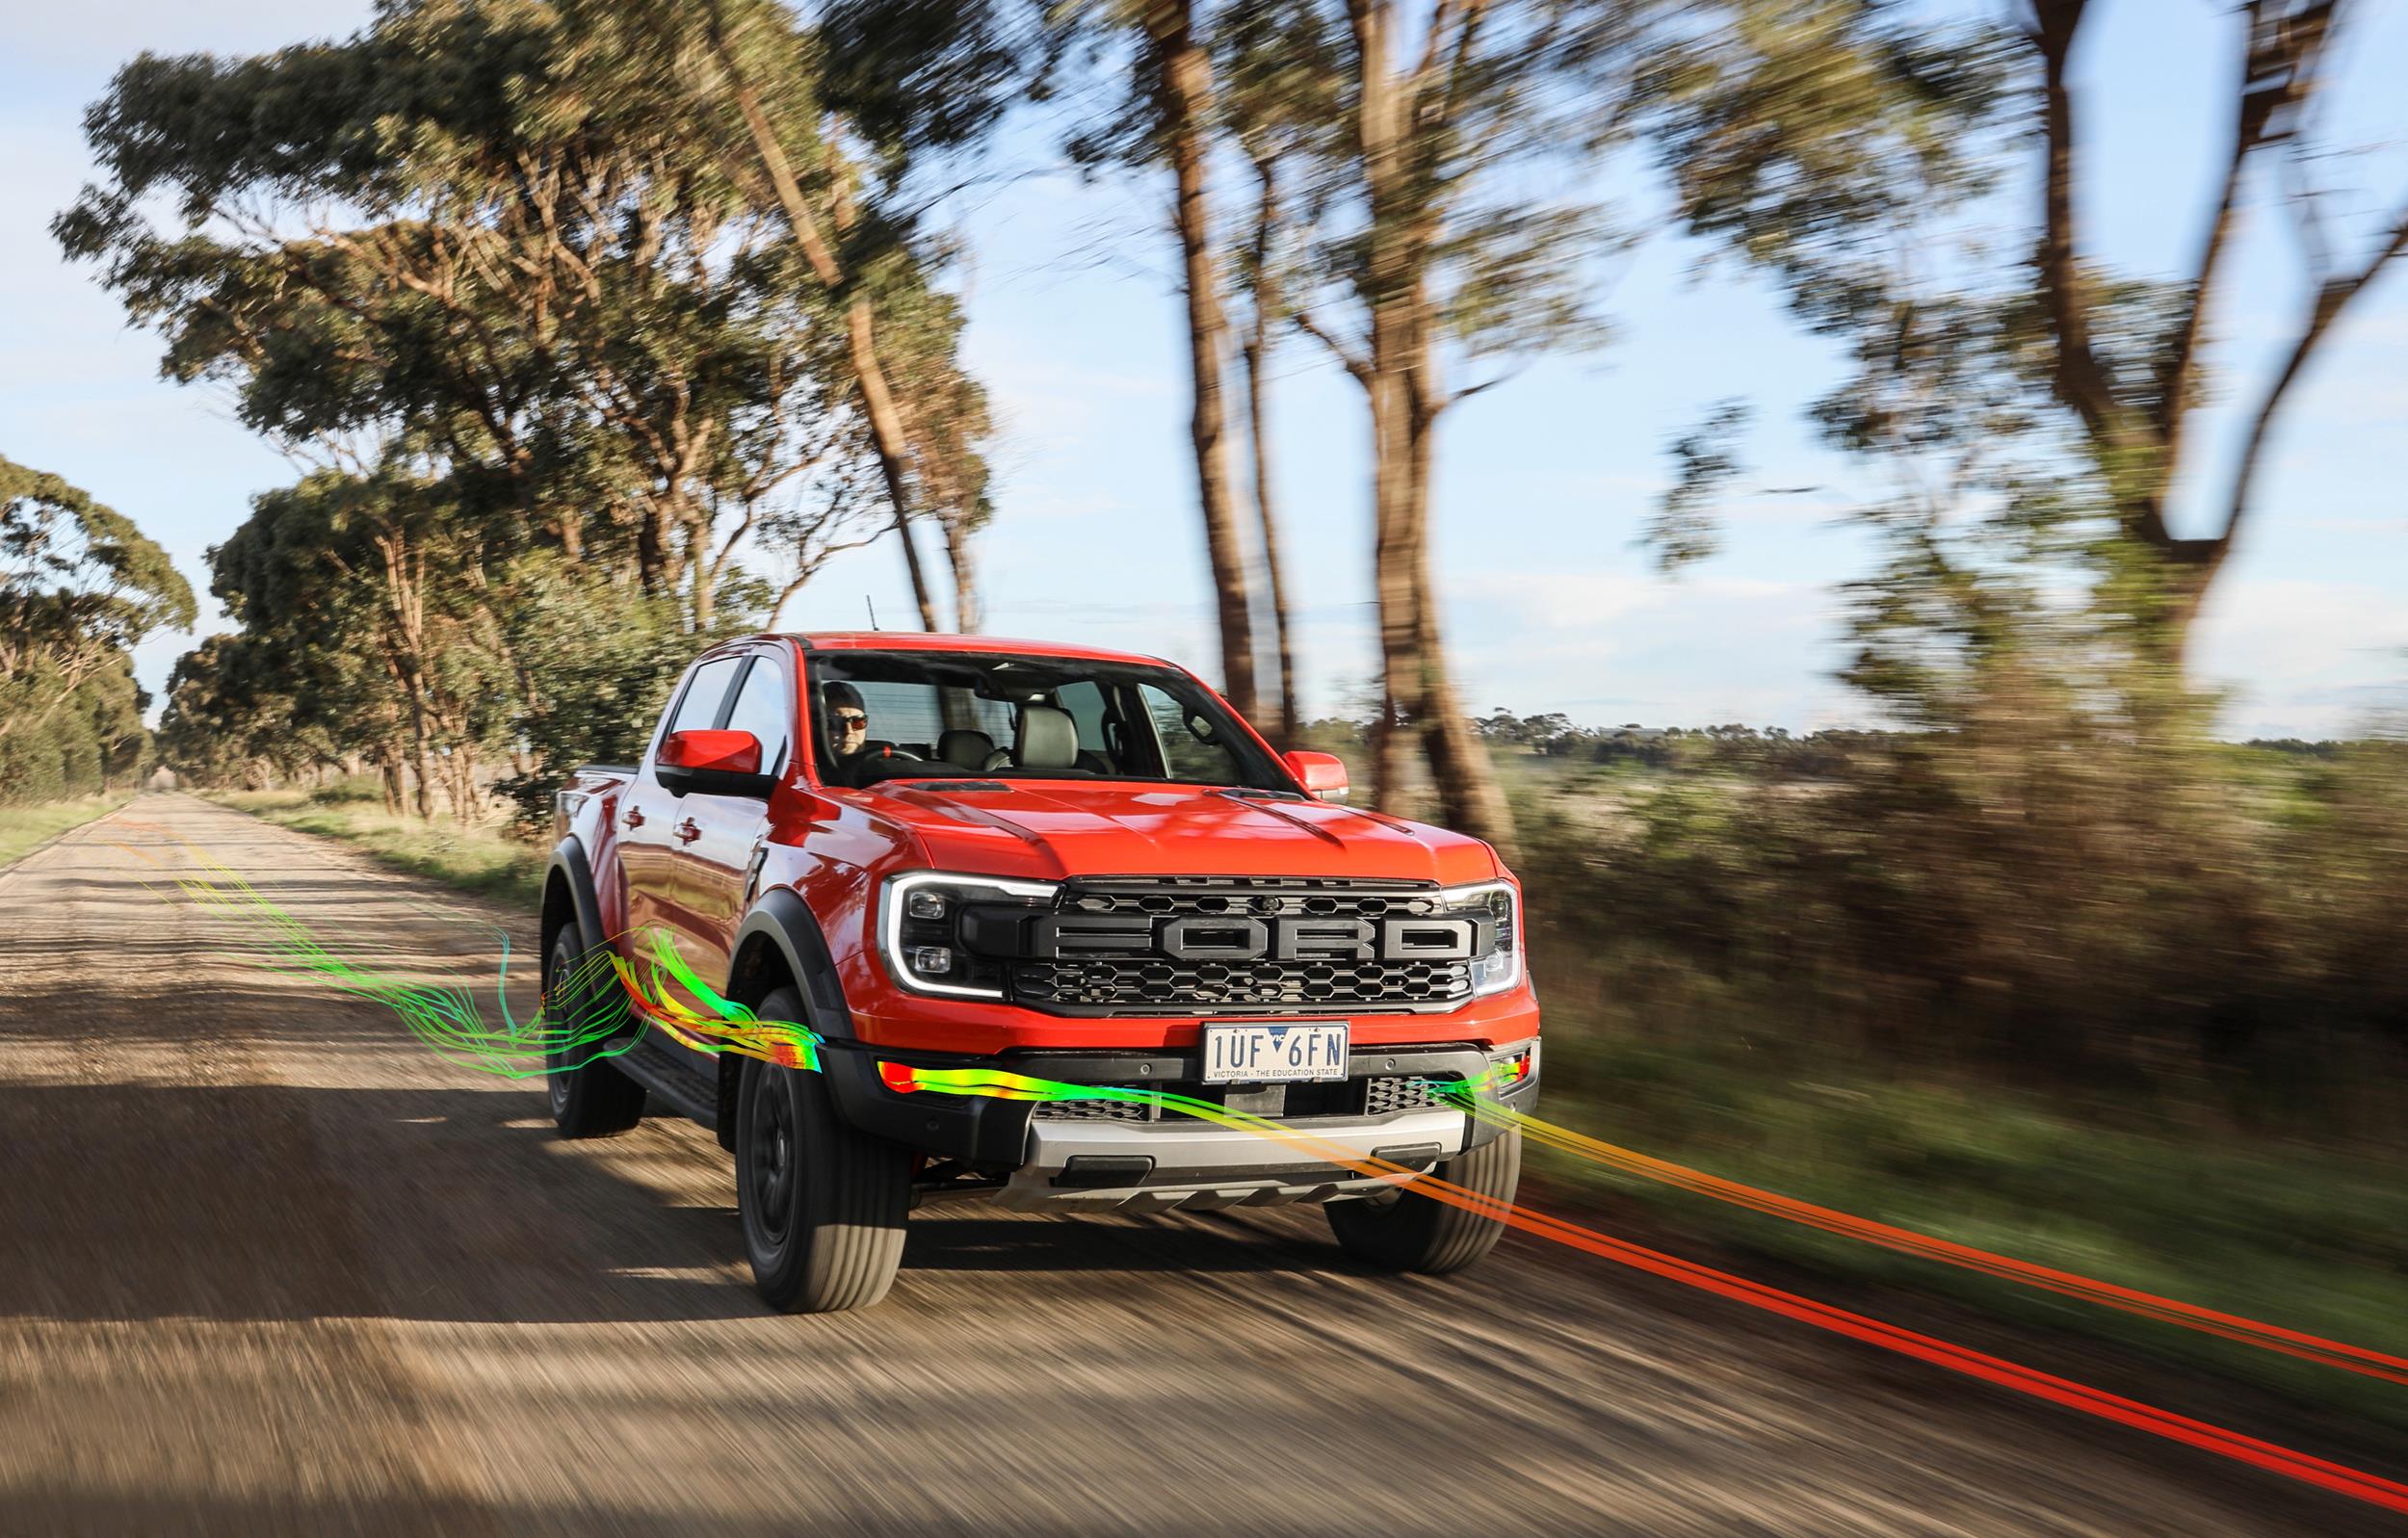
2211,929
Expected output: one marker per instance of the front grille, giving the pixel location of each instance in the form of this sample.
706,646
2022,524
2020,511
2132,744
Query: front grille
1142,981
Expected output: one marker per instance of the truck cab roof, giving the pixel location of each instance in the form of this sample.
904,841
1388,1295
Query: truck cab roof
946,641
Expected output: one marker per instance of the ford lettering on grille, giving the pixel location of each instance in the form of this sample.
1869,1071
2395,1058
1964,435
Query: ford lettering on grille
1215,937
1243,945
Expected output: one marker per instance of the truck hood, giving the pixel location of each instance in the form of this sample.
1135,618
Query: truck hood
1051,830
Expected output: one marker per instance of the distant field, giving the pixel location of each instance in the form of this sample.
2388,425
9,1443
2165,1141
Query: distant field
480,857
21,827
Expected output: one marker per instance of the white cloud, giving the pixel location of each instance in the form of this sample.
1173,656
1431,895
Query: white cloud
2318,657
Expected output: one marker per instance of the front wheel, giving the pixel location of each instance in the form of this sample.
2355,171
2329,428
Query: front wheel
822,1204
1413,1231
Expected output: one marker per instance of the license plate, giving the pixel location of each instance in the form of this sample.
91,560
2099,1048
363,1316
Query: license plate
1262,1054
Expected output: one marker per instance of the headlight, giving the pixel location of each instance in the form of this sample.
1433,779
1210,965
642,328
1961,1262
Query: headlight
924,920
1500,966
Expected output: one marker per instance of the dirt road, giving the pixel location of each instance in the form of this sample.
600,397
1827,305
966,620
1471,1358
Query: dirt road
267,1265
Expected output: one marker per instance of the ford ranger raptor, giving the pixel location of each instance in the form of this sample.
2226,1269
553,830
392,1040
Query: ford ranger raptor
946,853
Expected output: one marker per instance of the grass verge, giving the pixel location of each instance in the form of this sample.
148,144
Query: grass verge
23,827
480,858
2289,1235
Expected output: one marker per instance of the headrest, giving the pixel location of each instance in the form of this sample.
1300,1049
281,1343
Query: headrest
1045,738
965,747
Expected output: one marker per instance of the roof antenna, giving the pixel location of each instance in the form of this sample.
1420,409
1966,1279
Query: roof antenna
872,604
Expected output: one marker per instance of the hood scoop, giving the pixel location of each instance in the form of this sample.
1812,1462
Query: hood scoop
950,785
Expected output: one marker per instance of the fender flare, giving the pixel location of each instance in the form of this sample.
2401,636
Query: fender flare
568,859
979,1129
783,921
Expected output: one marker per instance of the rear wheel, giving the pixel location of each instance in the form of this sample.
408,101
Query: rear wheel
822,1204
591,1097
1413,1231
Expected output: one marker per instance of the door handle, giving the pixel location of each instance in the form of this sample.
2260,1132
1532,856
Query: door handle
687,832
633,819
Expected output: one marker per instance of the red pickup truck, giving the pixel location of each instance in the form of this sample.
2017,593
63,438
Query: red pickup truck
951,851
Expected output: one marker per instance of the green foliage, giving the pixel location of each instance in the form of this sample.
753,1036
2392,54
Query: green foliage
514,274
2306,1237
599,664
79,587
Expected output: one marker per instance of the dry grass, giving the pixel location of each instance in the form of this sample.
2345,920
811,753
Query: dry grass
480,857
22,828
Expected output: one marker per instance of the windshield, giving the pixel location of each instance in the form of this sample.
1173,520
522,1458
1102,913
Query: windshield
884,716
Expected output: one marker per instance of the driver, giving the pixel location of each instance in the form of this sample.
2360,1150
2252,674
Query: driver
847,719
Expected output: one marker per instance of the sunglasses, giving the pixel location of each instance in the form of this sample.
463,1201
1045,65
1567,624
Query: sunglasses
850,720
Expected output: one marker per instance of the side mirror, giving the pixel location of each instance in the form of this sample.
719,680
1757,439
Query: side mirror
713,764
1323,775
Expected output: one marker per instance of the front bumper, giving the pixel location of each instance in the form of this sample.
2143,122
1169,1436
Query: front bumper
1052,1158
1184,1162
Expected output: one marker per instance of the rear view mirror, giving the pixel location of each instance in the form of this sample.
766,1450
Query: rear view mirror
1322,775
712,764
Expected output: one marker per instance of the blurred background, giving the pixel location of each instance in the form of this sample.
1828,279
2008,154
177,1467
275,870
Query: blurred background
1886,513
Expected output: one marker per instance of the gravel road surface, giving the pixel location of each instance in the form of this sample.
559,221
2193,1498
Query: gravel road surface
269,1265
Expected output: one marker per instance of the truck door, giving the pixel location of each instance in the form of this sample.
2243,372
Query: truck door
651,850
727,832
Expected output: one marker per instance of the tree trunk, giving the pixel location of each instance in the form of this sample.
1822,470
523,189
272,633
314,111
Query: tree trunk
1184,90
969,614
703,591
656,560
413,686
1469,797
920,593
1401,378
1378,131
1257,355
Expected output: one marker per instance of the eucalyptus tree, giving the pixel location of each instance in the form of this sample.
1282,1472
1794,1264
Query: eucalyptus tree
80,587
79,583
1442,157
507,234
922,417
933,74
239,711
1278,64
1463,236
1859,153
381,562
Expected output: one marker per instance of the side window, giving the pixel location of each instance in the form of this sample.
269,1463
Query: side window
698,708
765,704
1188,750
1085,701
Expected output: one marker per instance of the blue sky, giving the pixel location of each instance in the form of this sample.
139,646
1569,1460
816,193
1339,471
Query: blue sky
1544,482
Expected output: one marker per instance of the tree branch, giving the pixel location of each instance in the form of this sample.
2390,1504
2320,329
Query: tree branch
1351,359
2278,75
2332,298
2082,380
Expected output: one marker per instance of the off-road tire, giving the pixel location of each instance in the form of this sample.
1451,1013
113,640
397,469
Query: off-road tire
1411,1232
589,1096
822,1204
